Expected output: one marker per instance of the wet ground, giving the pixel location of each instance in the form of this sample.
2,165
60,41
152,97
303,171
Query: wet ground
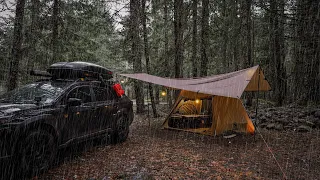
152,153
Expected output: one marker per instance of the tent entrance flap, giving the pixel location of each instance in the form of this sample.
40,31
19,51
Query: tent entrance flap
211,115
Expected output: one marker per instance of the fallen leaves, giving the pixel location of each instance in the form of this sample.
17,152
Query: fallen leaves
151,153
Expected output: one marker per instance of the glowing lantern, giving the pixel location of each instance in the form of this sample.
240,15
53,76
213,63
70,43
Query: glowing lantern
163,93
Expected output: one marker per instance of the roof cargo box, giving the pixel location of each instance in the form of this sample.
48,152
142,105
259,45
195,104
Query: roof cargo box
71,70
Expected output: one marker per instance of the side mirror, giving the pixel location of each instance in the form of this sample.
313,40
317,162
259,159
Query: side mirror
73,102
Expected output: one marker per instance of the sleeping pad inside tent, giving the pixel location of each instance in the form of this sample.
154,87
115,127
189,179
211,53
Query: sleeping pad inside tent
211,105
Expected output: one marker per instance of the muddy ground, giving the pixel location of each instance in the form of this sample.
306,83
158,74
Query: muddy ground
152,153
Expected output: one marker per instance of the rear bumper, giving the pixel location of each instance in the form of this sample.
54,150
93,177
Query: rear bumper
6,163
130,116
6,145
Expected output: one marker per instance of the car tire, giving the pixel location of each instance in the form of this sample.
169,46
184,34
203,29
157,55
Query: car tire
36,152
121,131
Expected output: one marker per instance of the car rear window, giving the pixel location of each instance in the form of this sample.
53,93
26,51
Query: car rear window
104,94
82,93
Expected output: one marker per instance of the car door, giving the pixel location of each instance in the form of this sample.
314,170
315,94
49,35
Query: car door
78,118
106,105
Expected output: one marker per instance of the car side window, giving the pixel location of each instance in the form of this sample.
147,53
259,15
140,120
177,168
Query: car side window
103,94
82,93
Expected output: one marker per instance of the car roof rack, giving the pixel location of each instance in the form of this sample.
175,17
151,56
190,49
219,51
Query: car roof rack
40,73
76,70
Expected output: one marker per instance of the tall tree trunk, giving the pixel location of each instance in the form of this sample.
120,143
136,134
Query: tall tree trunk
281,70
194,59
313,50
147,54
16,52
55,30
166,50
33,35
178,38
249,38
277,50
136,52
204,38
307,52
249,61
235,35
157,94
225,63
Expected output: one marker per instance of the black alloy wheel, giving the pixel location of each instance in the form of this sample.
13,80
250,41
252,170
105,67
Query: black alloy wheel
122,130
37,152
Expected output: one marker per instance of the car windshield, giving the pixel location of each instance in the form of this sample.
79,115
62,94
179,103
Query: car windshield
39,92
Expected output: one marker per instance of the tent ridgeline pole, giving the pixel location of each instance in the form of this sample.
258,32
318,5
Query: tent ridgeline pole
257,105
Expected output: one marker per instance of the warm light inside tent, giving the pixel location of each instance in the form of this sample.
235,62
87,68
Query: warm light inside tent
197,101
163,93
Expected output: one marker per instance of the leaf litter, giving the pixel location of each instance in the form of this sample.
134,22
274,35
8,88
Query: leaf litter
154,153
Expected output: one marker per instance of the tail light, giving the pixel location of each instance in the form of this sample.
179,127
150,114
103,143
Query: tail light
118,89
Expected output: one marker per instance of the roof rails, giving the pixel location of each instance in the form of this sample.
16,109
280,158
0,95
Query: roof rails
40,73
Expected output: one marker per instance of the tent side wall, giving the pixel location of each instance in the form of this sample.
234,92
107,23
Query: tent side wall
229,114
258,80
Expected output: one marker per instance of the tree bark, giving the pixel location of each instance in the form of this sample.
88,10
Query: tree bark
249,38
16,52
55,30
147,54
194,59
178,38
157,94
277,50
307,52
34,33
204,38
166,49
235,36
249,61
225,63
312,49
136,52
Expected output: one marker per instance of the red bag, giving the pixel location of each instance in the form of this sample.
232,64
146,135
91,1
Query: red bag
118,89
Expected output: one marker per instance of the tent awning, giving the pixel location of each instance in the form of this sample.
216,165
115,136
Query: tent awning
229,85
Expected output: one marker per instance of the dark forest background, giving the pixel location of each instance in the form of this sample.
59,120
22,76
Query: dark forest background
168,38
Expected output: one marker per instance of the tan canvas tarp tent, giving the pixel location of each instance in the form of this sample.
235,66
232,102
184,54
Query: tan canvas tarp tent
211,105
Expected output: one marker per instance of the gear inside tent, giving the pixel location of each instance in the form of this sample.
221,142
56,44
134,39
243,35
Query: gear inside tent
211,105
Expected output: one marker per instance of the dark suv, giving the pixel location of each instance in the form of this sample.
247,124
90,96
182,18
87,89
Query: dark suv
76,102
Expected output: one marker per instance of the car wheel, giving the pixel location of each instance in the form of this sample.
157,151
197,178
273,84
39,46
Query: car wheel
37,152
122,130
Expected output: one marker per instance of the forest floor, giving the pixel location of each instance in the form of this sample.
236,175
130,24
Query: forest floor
153,153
